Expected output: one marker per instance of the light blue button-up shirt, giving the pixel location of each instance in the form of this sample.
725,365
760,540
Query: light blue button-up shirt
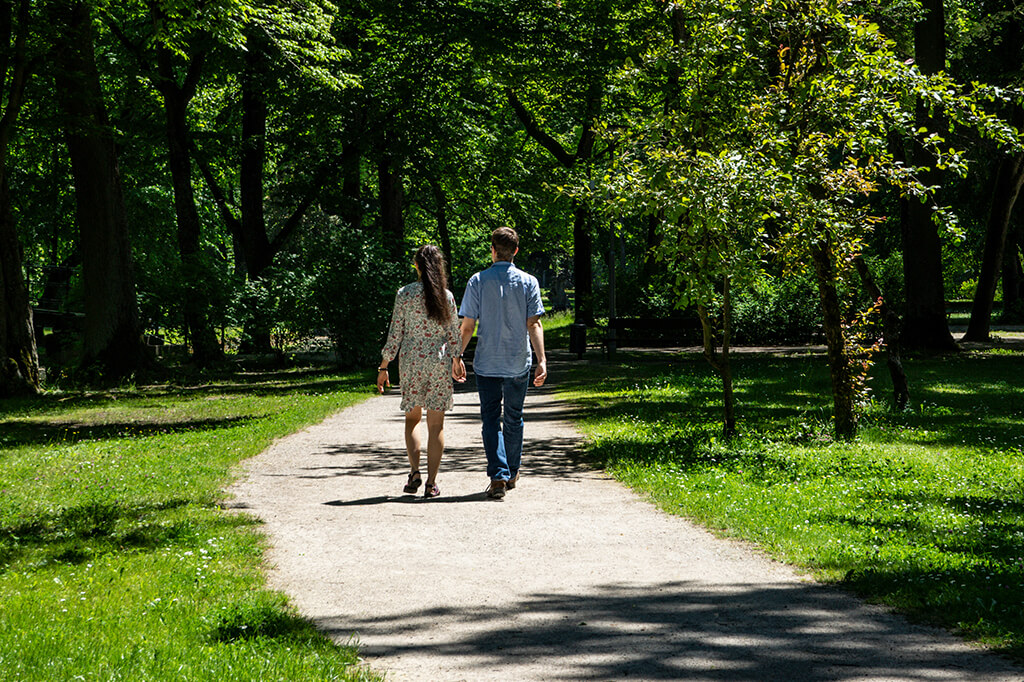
500,299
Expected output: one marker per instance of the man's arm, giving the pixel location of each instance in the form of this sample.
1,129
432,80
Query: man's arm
466,329
536,332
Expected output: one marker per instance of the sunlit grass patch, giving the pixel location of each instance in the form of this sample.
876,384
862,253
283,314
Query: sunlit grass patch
925,511
116,560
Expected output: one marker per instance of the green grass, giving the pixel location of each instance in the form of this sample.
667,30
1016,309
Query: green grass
116,559
924,512
556,329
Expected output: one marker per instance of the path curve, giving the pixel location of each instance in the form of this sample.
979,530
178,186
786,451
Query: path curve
570,577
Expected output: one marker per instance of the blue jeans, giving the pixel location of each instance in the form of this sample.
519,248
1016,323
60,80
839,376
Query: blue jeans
502,429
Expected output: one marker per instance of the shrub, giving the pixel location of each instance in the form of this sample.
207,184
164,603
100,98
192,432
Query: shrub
347,292
777,310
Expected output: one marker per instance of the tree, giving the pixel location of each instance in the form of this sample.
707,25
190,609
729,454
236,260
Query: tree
925,323
799,167
555,62
264,65
112,335
1007,182
171,47
19,363
981,53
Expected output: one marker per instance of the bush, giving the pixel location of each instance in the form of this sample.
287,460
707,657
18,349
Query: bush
777,310
346,292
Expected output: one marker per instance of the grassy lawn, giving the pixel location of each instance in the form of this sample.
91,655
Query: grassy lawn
924,512
116,560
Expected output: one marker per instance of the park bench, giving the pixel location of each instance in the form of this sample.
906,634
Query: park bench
651,332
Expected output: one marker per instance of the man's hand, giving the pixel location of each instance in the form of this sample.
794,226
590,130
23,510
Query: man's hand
542,373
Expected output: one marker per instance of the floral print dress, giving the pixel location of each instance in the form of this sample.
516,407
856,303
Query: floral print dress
425,350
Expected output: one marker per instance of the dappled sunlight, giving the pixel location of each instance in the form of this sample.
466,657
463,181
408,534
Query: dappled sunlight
666,631
923,499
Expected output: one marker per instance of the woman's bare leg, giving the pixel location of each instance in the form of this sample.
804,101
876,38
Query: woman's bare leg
412,437
435,443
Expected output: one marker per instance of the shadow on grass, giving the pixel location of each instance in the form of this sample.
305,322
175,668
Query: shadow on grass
238,383
79,533
18,433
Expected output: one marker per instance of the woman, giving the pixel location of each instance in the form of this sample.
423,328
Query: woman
425,337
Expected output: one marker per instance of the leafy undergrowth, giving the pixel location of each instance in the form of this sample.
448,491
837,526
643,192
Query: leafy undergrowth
116,560
924,511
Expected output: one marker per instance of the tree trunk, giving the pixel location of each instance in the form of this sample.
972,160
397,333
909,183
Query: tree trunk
721,361
19,363
1006,185
253,224
891,337
392,219
583,272
443,232
925,323
113,335
652,242
838,362
196,305
1009,178
1013,276
351,208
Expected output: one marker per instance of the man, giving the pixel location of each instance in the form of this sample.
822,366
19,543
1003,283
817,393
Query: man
505,302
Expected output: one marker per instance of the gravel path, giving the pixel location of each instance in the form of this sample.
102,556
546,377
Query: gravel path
570,577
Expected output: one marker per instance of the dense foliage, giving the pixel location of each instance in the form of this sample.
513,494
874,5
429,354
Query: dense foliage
277,162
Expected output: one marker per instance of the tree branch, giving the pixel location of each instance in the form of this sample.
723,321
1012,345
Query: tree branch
533,130
223,205
323,173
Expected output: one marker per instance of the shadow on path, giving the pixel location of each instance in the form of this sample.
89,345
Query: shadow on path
678,630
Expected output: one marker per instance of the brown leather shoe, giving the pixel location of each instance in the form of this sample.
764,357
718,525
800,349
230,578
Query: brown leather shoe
496,490
512,482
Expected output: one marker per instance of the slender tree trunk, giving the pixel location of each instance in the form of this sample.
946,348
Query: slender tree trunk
352,187
1013,275
113,335
1009,178
582,255
19,362
891,336
1006,185
196,305
720,362
925,323
255,242
652,242
441,211
838,362
391,210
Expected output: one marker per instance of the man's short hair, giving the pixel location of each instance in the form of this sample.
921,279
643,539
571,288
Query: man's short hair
505,242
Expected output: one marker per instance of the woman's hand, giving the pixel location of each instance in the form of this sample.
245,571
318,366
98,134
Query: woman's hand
459,370
382,379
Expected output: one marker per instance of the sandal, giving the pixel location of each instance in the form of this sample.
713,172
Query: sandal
431,491
414,483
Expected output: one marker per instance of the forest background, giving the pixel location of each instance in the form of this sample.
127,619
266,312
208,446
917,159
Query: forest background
242,177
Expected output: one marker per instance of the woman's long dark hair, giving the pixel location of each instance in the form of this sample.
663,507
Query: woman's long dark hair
430,262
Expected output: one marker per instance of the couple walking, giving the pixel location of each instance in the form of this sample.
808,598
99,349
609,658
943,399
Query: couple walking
503,305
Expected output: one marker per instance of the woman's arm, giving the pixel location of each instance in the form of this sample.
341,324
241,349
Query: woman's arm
396,333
